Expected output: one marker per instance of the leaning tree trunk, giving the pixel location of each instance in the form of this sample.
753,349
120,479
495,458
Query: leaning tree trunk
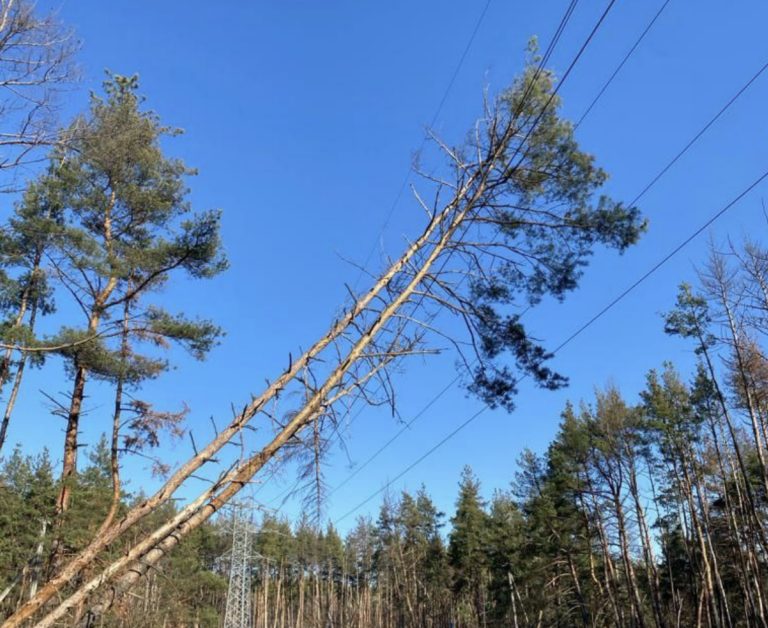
16,383
210,501
5,363
207,454
376,331
189,518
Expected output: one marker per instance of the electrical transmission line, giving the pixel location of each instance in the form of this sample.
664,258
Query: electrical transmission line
597,316
439,109
602,312
286,493
642,193
586,113
544,60
575,334
540,68
623,62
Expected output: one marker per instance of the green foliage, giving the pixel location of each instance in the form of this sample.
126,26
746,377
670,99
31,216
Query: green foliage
27,494
468,537
112,218
91,498
190,587
127,228
24,283
198,337
544,214
690,318
505,539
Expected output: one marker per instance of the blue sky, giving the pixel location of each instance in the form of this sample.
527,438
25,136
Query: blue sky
302,118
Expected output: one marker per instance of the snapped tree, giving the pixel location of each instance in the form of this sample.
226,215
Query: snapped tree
514,220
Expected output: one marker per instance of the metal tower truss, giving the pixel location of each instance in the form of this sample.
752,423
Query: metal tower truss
238,612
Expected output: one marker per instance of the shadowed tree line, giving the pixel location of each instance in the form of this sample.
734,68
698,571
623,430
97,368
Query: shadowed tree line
189,588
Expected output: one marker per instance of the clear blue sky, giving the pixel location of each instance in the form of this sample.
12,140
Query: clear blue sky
302,118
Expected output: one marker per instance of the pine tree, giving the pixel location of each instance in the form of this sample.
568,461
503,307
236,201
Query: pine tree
27,494
468,541
506,535
128,228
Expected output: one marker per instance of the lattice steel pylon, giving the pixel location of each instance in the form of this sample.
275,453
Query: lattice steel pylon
238,612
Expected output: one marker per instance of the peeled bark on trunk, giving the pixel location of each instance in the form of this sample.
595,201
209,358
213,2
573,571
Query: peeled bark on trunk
652,573
68,572
612,584
37,563
700,335
242,474
629,569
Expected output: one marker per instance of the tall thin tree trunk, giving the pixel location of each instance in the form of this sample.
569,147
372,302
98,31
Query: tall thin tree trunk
37,563
16,382
5,363
114,460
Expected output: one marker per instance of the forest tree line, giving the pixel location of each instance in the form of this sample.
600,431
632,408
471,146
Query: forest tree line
642,513
649,512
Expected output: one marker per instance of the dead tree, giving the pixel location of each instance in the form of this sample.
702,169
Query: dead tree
36,65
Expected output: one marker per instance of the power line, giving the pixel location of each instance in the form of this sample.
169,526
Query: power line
608,307
456,379
437,113
703,130
570,338
396,436
623,62
413,464
540,68
532,83
542,64
661,263
642,193
602,312
615,301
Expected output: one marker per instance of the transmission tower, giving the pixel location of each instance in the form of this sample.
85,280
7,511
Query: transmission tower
238,612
